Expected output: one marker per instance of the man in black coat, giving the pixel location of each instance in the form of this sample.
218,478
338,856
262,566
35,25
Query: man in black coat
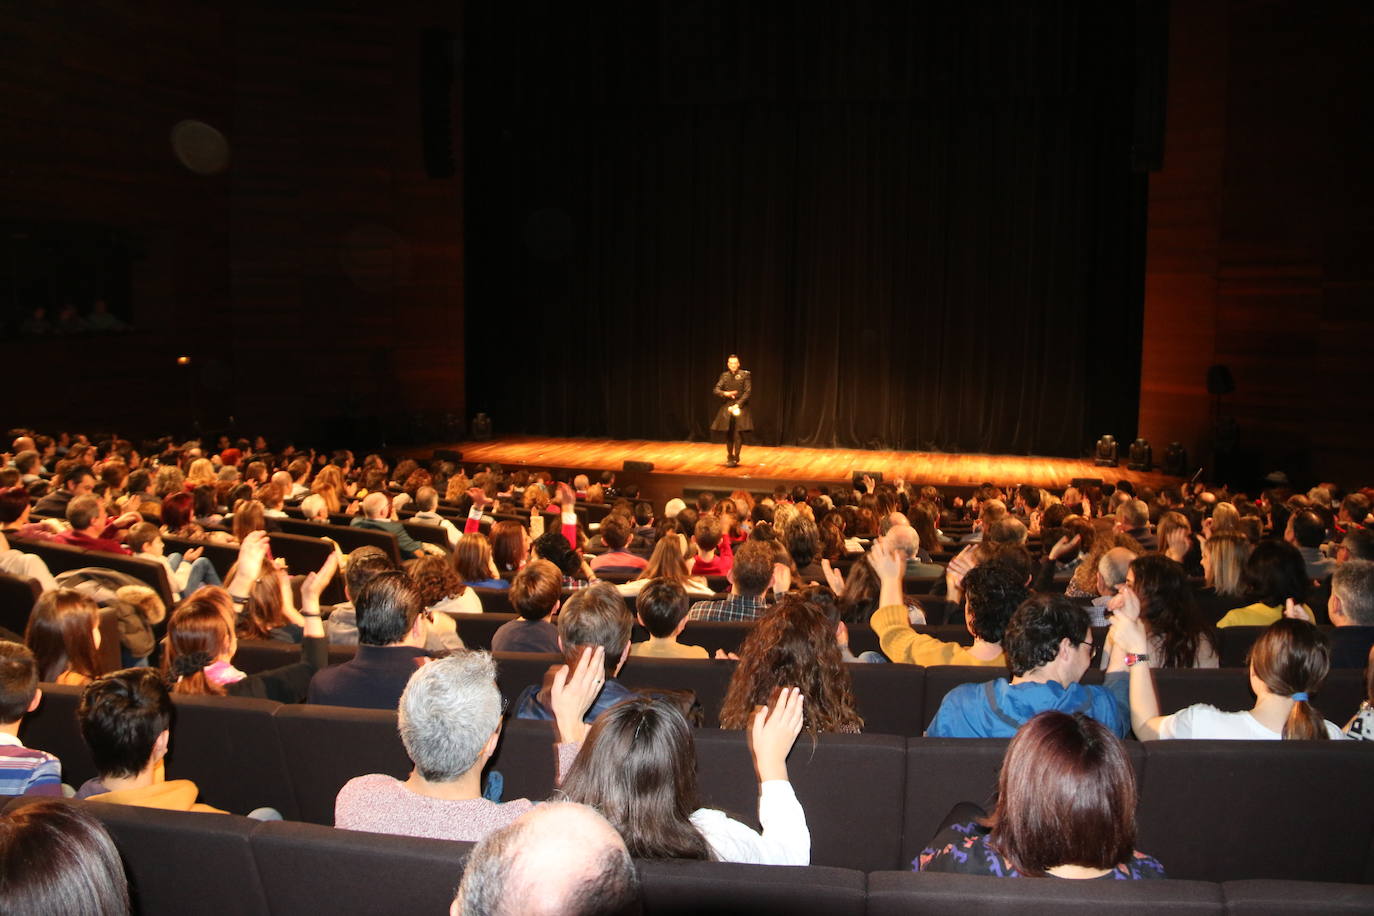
734,385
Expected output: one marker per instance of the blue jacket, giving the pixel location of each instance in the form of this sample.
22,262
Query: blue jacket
529,706
997,708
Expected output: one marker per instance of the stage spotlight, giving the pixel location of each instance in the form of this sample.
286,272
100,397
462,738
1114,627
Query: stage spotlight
1176,460
1141,456
183,360
1105,456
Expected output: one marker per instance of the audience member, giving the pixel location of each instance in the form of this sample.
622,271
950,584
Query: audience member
794,644
361,566
535,593
1274,576
615,534
991,595
593,617
442,594
709,537
391,645
1352,612
1066,800
661,608
201,642
64,634
186,572
23,771
637,766
668,564
57,858
378,516
1049,648
560,859
449,717
750,576
1287,664
1159,593
473,561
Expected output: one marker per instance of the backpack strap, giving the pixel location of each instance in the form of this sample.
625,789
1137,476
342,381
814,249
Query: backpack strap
990,689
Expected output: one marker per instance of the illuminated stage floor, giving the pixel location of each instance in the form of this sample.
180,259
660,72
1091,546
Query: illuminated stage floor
705,461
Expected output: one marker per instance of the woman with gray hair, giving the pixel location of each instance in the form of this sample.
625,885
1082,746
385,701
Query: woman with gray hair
450,721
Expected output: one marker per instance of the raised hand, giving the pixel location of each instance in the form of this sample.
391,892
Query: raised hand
885,561
573,693
833,578
773,733
1295,611
1065,546
1125,603
782,578
566,497
478,497
316,582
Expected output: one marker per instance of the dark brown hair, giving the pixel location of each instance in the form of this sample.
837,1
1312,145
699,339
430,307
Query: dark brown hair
1066,796
793,645
1292,656
57,858
262,613
200,630
60,634
18,680
638,768
1170,613
434,578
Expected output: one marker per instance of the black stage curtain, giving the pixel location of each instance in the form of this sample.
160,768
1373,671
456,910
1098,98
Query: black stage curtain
917,224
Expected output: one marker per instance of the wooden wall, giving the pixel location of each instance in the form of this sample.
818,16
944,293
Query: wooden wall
1261,236
316,283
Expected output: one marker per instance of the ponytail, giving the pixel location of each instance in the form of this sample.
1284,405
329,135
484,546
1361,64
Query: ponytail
1304,722
1292,658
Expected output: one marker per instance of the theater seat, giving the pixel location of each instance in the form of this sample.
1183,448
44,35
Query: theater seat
689,888
899,894
306,868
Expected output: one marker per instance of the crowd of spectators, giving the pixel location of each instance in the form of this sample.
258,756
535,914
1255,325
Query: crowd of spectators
1048,586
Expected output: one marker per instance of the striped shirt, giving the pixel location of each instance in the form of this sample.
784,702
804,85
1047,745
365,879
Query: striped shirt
25,771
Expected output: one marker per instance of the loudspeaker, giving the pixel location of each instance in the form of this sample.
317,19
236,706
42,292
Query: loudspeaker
448,454
1219,380
439,53
638,466
1081,484
860,475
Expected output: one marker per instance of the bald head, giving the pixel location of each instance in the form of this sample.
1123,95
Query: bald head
1111,569
376,505
23,444
560,858
283,480
904,539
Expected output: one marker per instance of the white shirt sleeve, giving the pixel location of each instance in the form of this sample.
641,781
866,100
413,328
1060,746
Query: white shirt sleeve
785,839
1190,722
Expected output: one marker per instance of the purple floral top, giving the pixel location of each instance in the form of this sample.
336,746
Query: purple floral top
964,849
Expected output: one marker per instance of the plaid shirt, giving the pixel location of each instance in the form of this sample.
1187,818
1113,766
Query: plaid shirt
736,607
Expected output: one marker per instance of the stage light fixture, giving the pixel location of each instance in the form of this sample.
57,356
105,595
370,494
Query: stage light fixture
1105,455
1141,456
1176,460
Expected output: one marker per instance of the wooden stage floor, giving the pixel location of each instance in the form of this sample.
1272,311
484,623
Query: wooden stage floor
793,463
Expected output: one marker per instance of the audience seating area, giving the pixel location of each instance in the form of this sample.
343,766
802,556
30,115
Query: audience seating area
280,868
1209,810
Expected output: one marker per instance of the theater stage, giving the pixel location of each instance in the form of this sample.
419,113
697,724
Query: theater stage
702,464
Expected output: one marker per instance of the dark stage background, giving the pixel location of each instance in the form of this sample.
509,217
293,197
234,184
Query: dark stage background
912,221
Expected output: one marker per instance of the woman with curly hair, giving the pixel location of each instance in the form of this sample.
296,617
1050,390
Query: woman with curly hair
794,644
1084,581
442,591
1159,593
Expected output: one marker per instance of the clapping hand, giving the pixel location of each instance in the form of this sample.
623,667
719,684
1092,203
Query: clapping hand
573,693
723,656
773,733
566,497
478,497
316,582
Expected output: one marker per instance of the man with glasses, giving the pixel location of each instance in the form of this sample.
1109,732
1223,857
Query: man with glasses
1049,647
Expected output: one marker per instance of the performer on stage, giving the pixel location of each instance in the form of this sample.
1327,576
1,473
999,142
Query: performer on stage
733,419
